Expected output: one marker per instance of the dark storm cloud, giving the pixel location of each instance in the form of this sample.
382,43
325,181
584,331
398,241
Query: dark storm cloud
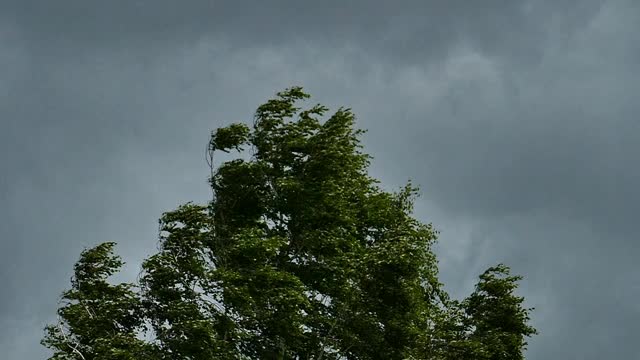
413,31
562,135
516,117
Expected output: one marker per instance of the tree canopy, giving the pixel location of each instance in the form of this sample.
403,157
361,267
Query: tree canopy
299,255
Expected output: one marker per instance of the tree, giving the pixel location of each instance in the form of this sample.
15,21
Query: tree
495,318
299,255
97,320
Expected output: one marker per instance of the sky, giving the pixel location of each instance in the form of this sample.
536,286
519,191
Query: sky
517,118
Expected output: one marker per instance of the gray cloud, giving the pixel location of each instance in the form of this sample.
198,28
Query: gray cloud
517,118
411,31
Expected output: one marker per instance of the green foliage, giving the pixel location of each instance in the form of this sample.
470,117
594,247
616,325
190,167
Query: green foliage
300,255
496,317
98,320
229,137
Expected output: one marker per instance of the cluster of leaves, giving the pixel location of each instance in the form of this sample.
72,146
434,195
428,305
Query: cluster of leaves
98,320
300,255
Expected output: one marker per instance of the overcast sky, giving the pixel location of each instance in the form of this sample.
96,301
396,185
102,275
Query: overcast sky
519,120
